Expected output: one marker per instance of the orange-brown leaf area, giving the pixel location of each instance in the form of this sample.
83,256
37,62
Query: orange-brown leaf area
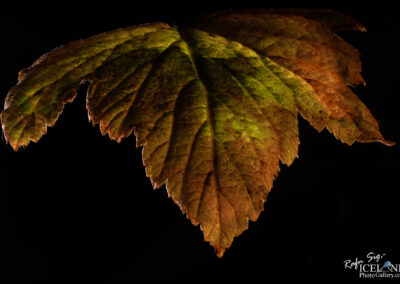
215,107
304,42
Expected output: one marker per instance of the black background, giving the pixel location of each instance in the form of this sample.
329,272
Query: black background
78,207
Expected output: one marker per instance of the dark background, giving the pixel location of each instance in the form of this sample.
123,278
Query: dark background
78,207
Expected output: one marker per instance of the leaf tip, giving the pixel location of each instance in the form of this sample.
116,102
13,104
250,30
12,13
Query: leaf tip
21,74
389,143
14,146
361,28
220,252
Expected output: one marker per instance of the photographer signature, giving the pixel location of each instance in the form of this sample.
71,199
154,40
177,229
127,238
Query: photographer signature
371,257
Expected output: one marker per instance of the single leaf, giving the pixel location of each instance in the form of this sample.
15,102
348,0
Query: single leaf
214,117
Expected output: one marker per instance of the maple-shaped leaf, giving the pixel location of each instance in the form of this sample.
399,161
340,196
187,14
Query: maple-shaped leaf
214,107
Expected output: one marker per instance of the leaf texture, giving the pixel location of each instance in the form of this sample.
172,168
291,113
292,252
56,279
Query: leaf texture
214,109
302,41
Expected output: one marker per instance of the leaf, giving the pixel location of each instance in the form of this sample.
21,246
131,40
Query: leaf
214,117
